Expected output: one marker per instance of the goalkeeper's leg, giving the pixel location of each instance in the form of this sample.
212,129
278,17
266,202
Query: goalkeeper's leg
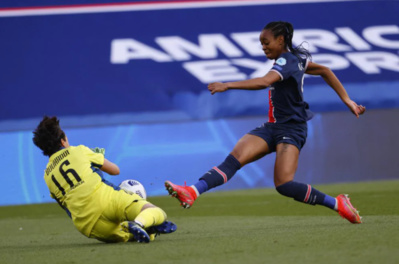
144,218
148,214
108,231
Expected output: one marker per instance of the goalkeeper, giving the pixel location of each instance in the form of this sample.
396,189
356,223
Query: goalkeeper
97,208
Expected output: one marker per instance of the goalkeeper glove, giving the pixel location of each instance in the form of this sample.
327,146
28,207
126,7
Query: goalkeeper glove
99,150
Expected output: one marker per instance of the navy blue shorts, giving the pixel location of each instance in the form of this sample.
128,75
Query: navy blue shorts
291,133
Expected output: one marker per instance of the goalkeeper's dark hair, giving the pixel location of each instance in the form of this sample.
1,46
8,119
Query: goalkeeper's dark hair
285,29
48,134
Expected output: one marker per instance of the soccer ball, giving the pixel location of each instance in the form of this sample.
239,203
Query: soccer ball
133,186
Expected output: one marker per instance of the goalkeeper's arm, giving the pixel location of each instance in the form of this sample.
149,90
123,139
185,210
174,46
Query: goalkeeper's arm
110,167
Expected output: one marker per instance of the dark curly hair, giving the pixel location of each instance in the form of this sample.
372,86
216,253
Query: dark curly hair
285,29
48,134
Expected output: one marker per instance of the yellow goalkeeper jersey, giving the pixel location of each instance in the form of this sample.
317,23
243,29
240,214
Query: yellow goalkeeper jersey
72,180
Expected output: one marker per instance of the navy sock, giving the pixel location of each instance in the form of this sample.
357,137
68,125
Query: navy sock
201,186
220,174
305,193
330,202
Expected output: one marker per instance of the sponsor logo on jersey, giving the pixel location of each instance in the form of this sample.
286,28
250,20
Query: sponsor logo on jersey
281,61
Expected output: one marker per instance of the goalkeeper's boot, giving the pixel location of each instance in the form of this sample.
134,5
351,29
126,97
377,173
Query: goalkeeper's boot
346,209
185,194
138,232
164,228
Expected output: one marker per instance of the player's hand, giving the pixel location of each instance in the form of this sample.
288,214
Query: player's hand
217,87
356,109
98,150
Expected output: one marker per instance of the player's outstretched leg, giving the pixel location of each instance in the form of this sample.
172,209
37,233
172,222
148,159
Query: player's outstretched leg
138,232
346,209
185,194
216,176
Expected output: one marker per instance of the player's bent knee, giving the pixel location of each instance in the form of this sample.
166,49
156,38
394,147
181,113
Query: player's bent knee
150,205
147,205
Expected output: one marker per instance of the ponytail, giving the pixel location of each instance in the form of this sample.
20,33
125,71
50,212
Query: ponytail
285,29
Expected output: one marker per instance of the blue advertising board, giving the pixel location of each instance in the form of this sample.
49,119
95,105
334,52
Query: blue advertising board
157,57
339,148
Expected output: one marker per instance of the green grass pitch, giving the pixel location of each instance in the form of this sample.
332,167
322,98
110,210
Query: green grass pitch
246,226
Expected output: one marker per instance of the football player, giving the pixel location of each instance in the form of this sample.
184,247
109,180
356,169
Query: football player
286,130
97,208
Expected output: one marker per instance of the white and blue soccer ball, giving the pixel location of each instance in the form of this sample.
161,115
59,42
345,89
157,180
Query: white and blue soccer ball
133,186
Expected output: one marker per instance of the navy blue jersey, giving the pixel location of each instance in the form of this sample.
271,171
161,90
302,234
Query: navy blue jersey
286,102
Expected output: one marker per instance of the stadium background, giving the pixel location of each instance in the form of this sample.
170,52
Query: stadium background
130,76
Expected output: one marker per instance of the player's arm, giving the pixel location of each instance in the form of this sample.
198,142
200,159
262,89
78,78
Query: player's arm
110,167
251,84
332,80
